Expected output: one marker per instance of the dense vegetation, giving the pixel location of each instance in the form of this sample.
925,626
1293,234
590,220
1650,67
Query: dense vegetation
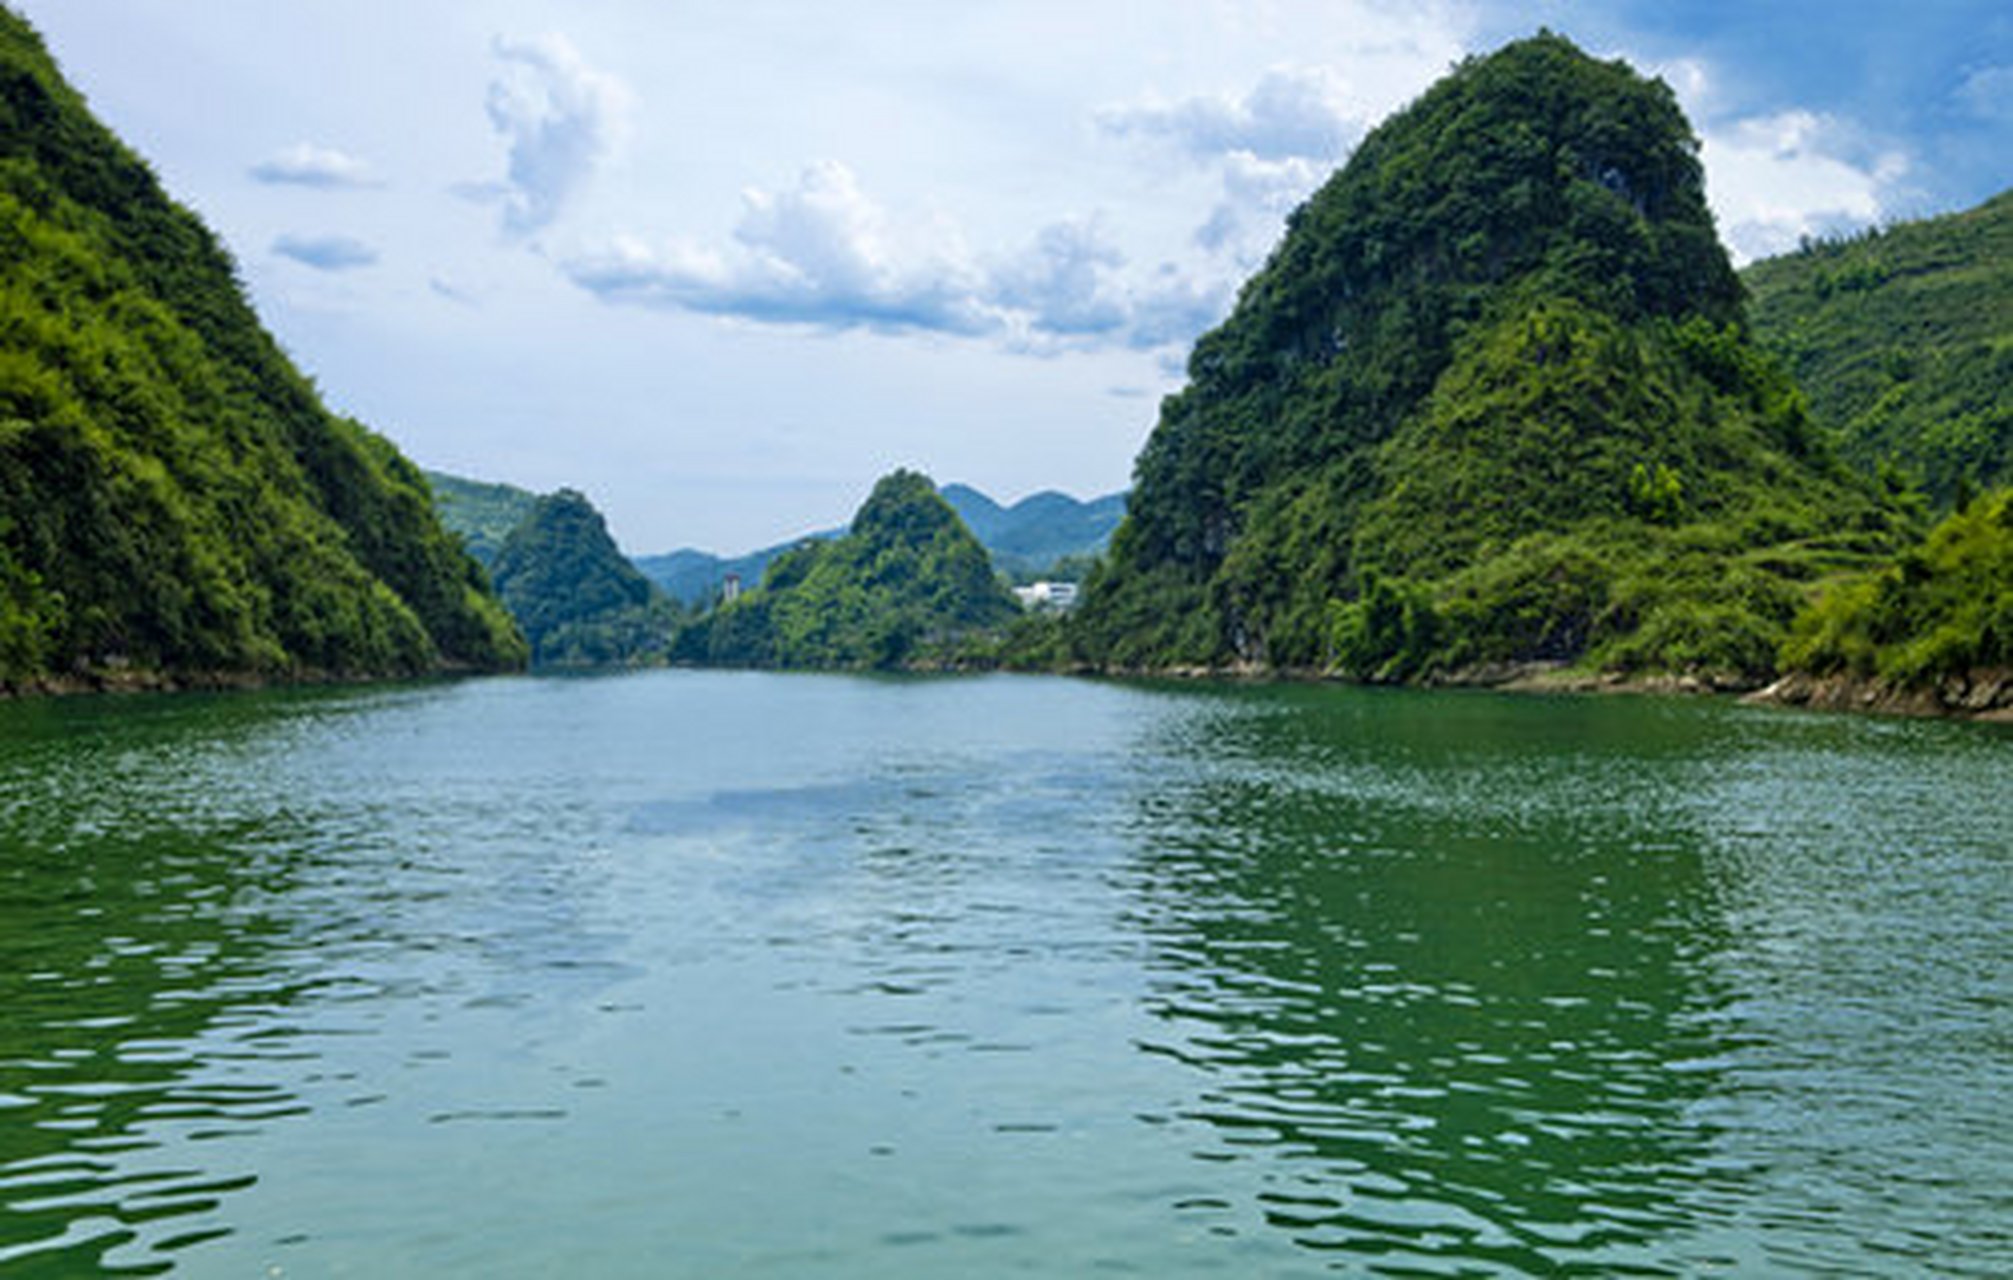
1046,534
1943,611
1903,339
578,600
1491,401
908,585
482,514
174,498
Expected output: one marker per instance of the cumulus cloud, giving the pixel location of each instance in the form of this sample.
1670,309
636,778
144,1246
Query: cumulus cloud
307,165
1291,112
1775,179
1269,149
1062,285
1257,196
825,255
558,117
326,253
819,254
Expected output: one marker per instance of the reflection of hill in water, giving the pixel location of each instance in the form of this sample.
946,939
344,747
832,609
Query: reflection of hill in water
1441,971
198,943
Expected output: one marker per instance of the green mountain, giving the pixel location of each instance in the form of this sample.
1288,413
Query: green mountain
175,501
907,584
578,600
1030,537
480,513
1903,339
1490,402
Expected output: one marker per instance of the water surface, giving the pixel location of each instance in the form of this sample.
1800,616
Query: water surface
756,975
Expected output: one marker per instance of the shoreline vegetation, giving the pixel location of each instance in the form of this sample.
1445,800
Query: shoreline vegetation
1497,412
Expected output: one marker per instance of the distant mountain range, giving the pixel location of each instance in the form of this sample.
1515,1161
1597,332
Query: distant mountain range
1028,537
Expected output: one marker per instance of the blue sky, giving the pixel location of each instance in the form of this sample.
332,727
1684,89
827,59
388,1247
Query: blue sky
720,266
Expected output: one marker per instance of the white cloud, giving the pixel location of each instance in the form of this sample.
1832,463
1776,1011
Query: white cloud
1269,149
825,255
820,254
326,253
1775,179
1062,284
307,165
1291,112
558,116
1257,195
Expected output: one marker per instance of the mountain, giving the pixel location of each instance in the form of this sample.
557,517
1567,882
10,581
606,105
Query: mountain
577,598
908,583
482,514
1490,402
1032,536
1040,530
176,503
694,577
1903,339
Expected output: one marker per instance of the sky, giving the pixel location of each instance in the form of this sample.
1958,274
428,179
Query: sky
719,266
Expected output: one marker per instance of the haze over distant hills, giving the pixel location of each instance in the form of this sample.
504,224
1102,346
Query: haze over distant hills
1029,536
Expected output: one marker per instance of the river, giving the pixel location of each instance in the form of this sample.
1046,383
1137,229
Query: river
733,974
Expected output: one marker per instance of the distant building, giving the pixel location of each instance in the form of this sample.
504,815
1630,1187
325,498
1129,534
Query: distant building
730,588
1057,597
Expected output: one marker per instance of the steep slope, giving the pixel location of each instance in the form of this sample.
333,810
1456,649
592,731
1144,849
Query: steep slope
578,600
1903,339
482,514
175,502
906,584
1490,401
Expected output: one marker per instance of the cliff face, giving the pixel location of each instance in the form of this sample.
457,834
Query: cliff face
1491,400
174,498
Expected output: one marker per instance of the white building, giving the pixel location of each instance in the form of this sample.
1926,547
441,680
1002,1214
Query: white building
1056,596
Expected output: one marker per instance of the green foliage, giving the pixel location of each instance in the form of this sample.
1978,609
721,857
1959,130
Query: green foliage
1389,632
578,600
173,496
908,585
1944,608
1903,337
1491,401
481,514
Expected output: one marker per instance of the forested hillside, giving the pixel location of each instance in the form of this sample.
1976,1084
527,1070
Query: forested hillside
1043,533
175,501
482,514
1492,401
1903,339
579,601
908,583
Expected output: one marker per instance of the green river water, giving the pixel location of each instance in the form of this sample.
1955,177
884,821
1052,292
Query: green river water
703,974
